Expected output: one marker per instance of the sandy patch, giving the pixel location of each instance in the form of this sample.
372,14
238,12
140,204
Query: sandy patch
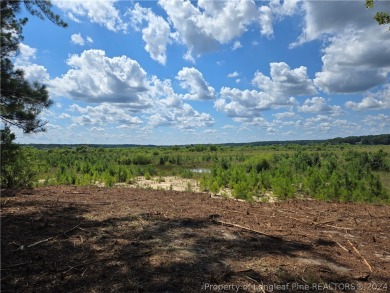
166,183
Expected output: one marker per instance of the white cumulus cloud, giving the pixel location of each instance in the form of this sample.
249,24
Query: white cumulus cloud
233,74
32,72
356,49
192,80
334,17
275,10
77,39
266,20
248,103
318,104
96,78
204,26
373,101
381,122
355,61
103,114
284,81
103,13
276,91
170,110
236,45
156,34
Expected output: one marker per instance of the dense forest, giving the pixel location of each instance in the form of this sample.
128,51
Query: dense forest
383,139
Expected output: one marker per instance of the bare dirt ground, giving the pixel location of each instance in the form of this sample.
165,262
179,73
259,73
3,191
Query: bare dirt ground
67,239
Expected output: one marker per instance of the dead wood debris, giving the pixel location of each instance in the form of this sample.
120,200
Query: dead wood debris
22,247
362,257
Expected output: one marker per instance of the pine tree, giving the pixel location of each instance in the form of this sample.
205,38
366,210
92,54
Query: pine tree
381,17
21,102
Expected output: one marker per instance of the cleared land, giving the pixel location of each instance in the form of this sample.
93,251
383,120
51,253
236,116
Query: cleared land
91,239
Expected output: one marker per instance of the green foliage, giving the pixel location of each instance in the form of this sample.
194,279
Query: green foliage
200,148
381,17
109,181
378,162
141,159
122,174
383,139
205,184
257,163
21,101
147,176
186,173
322,171
213,148
242,190
282,187
214,188
189,187
369,3
43,9
348,176
18,165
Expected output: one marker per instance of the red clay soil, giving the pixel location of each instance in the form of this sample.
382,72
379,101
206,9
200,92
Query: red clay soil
67,239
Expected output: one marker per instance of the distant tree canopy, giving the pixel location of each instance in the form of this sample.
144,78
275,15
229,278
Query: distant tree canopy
21,101
381,139
381,17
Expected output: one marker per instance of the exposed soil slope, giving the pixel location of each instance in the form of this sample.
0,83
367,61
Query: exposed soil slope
67,239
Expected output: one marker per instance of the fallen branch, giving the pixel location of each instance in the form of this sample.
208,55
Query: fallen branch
75,227
293,212
332,226
321,224
241,227
341,246
14,265
325,223
39,242
358,253
49,239
101,203
251,279
68,269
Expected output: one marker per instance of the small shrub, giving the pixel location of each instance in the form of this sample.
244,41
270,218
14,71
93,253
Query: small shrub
142,159
187,174
282,187
189,187
18,165
242,191
214,188
109,181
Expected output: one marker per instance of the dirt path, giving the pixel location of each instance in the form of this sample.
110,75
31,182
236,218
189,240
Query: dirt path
66,239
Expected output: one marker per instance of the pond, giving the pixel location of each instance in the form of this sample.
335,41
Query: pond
200,170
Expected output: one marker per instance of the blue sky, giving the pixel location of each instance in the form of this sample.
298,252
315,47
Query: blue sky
180,72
